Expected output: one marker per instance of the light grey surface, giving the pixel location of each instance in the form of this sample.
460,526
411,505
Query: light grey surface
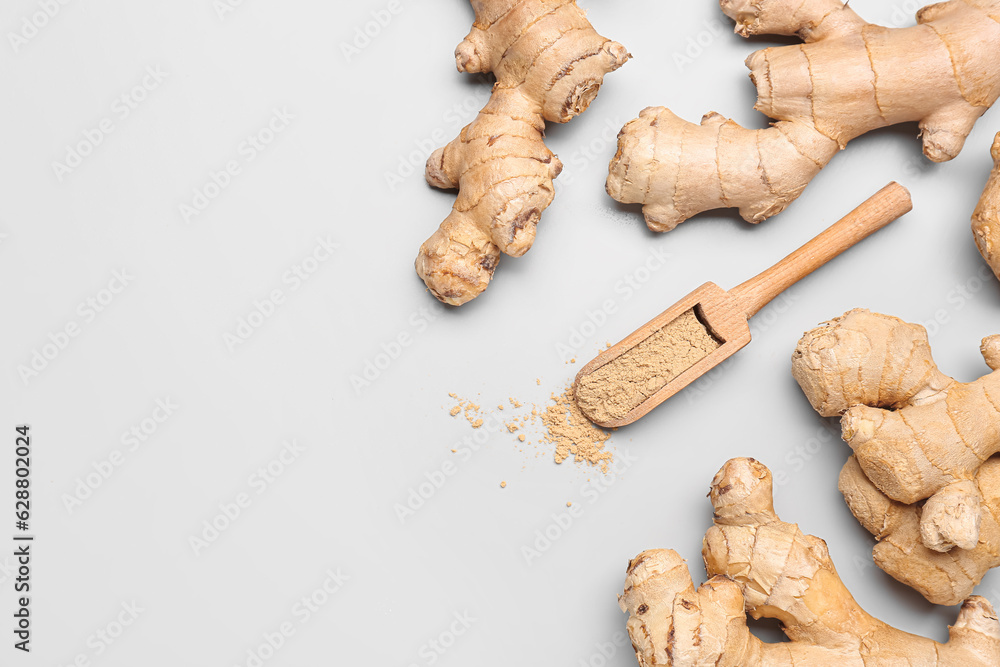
333,506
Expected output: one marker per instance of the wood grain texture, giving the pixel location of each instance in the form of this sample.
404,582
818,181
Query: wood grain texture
726,314
883,207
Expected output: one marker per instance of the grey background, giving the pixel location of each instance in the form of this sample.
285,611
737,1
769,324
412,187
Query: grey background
332,507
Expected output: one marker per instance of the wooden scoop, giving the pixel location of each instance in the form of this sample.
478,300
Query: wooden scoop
725,314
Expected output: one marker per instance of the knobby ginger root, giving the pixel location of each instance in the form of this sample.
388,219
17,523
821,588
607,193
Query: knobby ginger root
549,64
764,567
986,219
942,578
917,435
850,77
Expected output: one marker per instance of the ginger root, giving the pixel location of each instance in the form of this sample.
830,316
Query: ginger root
917,435
761,565
549,64
848,78
986,219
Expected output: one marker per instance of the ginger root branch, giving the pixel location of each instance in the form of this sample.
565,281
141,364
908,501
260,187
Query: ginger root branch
761,566
925,447
986,219
848,78
549,64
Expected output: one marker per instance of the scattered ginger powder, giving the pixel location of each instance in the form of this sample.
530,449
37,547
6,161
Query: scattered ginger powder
615,389
572,434
566,428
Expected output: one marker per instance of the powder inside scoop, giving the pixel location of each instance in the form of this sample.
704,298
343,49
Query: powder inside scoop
615,389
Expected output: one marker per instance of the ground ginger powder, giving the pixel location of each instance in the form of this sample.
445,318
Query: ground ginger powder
566,429
572,434
615,389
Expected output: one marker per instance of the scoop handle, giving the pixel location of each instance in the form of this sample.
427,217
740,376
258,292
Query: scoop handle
883,207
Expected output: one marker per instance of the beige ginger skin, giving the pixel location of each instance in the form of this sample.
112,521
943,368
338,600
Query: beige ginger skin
549,64
986,219
921,479
848,78
761,566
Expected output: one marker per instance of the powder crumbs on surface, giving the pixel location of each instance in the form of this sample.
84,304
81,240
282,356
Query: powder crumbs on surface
572,433
613,390
470,411
564,427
